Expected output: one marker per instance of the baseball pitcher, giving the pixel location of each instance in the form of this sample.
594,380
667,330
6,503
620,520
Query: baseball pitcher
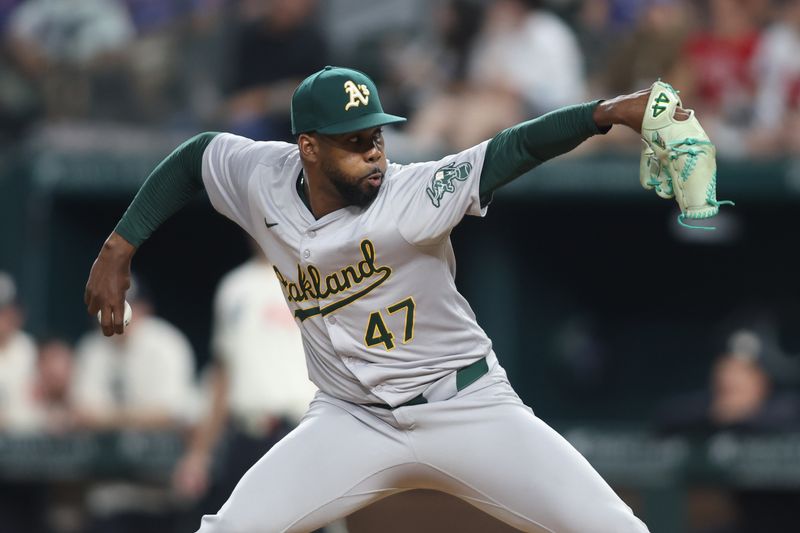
411,394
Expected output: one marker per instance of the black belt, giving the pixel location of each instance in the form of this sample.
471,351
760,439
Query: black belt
464,378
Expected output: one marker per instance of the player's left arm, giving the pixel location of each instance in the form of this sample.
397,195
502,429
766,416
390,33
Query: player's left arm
518,149
447,190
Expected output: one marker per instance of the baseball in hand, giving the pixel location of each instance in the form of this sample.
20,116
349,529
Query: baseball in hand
126,318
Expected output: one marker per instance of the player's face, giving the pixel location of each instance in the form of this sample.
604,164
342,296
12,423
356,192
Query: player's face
354,163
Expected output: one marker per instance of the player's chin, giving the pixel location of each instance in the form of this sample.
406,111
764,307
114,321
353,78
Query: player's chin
360,192
367,191
368,194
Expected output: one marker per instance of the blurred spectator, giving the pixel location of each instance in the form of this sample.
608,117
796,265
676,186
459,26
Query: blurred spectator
520,33
19,101
652,50
176,60
21,503
141,380
51,388
742,399
61,500
421,66
203,64
525,61
75,32
777,71
153,57
259,384
279,44
715,72
596,35
72,50
17,363
624,59
425,73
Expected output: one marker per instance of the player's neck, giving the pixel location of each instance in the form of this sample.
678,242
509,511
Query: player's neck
319,195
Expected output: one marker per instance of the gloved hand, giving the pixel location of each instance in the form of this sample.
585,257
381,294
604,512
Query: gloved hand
678,159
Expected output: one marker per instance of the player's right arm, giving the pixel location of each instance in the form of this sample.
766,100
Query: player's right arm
222,164
175,181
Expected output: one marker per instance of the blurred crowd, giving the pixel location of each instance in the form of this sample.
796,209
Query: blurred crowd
255,390
251,395
459,69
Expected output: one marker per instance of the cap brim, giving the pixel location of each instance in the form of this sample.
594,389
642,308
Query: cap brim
361,123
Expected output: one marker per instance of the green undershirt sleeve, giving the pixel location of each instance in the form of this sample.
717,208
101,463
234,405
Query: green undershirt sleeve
518,149
175,181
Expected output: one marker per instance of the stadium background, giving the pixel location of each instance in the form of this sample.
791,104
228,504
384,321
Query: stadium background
599,305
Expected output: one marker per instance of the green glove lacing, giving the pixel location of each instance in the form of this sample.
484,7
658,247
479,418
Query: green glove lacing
677,150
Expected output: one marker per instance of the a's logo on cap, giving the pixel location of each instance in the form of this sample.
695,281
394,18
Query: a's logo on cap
359,94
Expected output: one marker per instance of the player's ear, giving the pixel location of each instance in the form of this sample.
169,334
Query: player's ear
309,147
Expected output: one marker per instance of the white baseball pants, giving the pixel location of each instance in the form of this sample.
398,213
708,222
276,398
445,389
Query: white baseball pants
483,446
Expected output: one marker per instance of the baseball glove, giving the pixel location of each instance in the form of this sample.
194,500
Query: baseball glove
678,160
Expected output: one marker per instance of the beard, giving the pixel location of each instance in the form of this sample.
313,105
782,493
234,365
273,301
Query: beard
356,191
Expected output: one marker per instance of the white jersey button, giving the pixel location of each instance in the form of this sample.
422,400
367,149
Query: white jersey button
306,254
332,320
379,387
311,233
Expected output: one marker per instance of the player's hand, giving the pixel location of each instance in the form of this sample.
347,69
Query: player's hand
628,110
678,160
108,280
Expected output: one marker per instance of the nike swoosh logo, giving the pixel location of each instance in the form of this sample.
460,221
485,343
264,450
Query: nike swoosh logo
270,225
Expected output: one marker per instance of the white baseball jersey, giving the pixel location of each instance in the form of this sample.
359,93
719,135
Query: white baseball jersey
150,369
257,339
373,288
17,375
373,292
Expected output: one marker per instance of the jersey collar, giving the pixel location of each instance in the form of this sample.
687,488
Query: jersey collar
301,190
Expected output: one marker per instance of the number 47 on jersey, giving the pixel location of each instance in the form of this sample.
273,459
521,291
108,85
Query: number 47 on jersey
378,333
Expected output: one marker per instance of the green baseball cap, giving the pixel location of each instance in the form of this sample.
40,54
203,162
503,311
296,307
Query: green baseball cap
337,100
